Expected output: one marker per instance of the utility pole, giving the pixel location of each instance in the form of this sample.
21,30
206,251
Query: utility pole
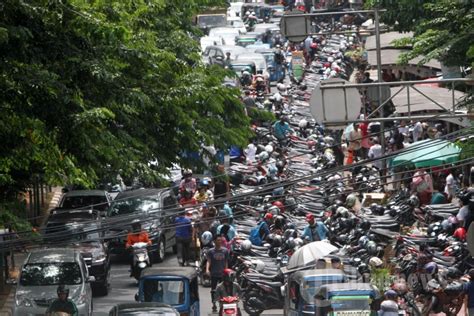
379,76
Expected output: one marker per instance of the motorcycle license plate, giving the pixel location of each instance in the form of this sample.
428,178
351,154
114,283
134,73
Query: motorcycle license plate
229,306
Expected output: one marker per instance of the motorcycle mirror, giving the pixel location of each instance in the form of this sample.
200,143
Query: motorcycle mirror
136,297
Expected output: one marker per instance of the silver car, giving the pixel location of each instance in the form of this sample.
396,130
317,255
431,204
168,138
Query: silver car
43,271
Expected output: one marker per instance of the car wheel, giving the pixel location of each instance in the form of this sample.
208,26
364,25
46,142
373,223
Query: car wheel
161,251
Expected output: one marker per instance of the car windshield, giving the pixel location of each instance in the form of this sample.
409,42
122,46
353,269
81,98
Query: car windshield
164,291
259,60
133,205
146,312
310,287
205,20
98,202
35,274
351,303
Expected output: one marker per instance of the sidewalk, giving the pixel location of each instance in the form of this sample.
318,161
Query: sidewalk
6,295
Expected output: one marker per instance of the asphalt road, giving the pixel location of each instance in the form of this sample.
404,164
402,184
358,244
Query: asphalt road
124,288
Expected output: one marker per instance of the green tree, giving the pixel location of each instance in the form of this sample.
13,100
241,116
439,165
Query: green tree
443,29
91,88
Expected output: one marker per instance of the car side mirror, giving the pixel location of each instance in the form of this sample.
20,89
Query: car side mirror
136,297
91,278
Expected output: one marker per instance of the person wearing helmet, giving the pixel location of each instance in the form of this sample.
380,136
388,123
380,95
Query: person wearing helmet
188,182
245,78
201,194
315,231
217,262
184,236
278,225
62,304
389,306
259,233
187,198
281,128
228,287
136,235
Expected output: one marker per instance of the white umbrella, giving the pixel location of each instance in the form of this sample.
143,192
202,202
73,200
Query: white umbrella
310,253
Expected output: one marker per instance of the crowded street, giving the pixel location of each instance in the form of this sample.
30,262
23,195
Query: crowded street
237,158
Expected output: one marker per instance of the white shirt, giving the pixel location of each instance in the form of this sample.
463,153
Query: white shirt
449,188
375,151
417,131
250,152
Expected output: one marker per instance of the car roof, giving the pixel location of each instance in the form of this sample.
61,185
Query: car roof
145,306
141,193
317,272
51,255
185,272
85,193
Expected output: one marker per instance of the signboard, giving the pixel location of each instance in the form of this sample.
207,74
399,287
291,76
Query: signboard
328,105
294,26
297,65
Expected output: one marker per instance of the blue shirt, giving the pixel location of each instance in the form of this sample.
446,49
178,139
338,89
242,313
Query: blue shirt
281,129
235,151
183,227
321,230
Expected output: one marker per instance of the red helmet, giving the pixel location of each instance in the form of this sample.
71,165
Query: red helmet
228,275
309,217
228,272
280,205
460,234
268,216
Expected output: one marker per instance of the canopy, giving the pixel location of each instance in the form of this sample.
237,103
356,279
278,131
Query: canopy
310,253
428,153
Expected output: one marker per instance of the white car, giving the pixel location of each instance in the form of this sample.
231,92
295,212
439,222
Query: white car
40,275
258,59
227,34
209,41
238,24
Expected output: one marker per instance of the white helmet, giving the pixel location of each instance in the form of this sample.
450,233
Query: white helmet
277,97
263,156
206,238
259,265
303,123
259,79
330,59
375,262
247,13
281,87
246,245
269,148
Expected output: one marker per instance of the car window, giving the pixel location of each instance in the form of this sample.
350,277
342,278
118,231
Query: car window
219,53
98,202
133,205
212,52
169,292
34,274
206,52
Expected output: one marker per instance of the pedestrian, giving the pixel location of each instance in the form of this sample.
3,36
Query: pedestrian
355,141
221,183
449,188
417,131
184,234
217,261
315,231
375,152
204,223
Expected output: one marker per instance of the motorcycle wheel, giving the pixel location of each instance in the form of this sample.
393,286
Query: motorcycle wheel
252,311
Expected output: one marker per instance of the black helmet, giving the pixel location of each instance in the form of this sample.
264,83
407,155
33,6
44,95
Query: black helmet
363,268
279,221
136,226
365,224
62,289
379,210
290,233
277,241
371,248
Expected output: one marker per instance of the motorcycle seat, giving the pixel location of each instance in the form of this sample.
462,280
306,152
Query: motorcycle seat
271,284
